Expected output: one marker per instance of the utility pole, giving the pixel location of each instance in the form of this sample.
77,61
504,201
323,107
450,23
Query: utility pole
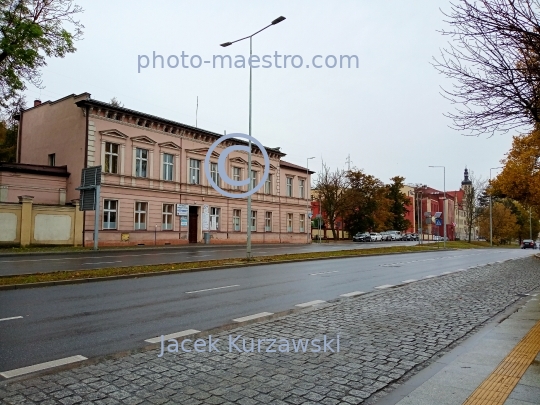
348,161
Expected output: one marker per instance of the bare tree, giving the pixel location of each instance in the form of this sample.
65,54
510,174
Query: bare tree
471,203
116,103
494,61
331,187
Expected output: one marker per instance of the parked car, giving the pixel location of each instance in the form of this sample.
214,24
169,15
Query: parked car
386,236
414,236
362,237
407,237
440,238
396,235
376,237
528,244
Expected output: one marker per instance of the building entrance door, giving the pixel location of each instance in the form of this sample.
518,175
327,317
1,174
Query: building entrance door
193,224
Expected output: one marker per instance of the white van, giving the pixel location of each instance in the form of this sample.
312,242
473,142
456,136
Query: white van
396,235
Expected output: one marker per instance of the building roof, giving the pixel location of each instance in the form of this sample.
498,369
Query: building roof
295,167
58,171
96,103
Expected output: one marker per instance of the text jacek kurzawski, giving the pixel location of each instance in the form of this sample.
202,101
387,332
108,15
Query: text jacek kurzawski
239,344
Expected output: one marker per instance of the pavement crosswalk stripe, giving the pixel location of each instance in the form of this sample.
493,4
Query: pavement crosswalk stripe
42,366
310,303
251,317
173,335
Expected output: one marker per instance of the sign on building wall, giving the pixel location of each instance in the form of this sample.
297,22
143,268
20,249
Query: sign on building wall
182,209
183,221
206,218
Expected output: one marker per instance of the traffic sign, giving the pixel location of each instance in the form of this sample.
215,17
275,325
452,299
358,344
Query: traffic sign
427,214
438,214
438,221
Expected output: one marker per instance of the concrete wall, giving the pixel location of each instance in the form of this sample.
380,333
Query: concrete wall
25,223
44,189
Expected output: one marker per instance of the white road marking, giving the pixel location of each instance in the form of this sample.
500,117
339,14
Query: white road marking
118,261
173,335
352,294
325,272
42,366
382,287
255,316
9,319
408,281
211,289
310,303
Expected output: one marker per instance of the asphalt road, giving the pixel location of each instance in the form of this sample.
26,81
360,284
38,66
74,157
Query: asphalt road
39,263
100,318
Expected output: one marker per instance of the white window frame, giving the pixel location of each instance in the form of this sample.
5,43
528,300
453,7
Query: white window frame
215,213
110,157
268,184
290,222
167,217
214,173
289,186
253,221
301,188
194,171
107,211
268,221
254,175
168,167
302,221
236,175
138,225
237,220
139,160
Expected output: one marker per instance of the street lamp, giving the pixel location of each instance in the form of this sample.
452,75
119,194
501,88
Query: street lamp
491,209
444,204
308,219
250,186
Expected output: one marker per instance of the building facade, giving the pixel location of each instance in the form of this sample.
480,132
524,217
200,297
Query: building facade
151,164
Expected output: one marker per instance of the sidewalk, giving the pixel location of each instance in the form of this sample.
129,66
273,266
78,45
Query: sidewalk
386,336
500,366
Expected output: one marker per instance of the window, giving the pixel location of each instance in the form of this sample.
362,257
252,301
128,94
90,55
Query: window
167,217
140,215
289,186
254,221
268,185
289,222
236,175
110,212
214,218
236,220
111,157
214,173
268,222
302,222
141,162
194,171
168,166
301,188
253,179
52,159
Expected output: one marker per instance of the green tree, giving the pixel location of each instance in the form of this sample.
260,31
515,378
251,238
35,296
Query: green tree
331,187
8,142
30,32
398,204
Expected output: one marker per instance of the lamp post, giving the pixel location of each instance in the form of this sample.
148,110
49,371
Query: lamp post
444,204
250,186
491,209
308,219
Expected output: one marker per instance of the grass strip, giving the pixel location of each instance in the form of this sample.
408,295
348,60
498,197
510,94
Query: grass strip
134,270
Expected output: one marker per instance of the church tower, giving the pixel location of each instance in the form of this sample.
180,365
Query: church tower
466,181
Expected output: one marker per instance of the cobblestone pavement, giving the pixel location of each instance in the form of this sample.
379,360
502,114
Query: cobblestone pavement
385,337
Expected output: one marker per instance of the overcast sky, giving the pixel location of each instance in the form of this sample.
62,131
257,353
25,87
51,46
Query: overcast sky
387,114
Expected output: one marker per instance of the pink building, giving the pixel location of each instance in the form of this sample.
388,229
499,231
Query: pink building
151,164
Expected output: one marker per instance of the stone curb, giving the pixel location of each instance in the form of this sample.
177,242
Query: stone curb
168,272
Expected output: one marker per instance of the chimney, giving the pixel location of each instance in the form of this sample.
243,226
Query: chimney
37,102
